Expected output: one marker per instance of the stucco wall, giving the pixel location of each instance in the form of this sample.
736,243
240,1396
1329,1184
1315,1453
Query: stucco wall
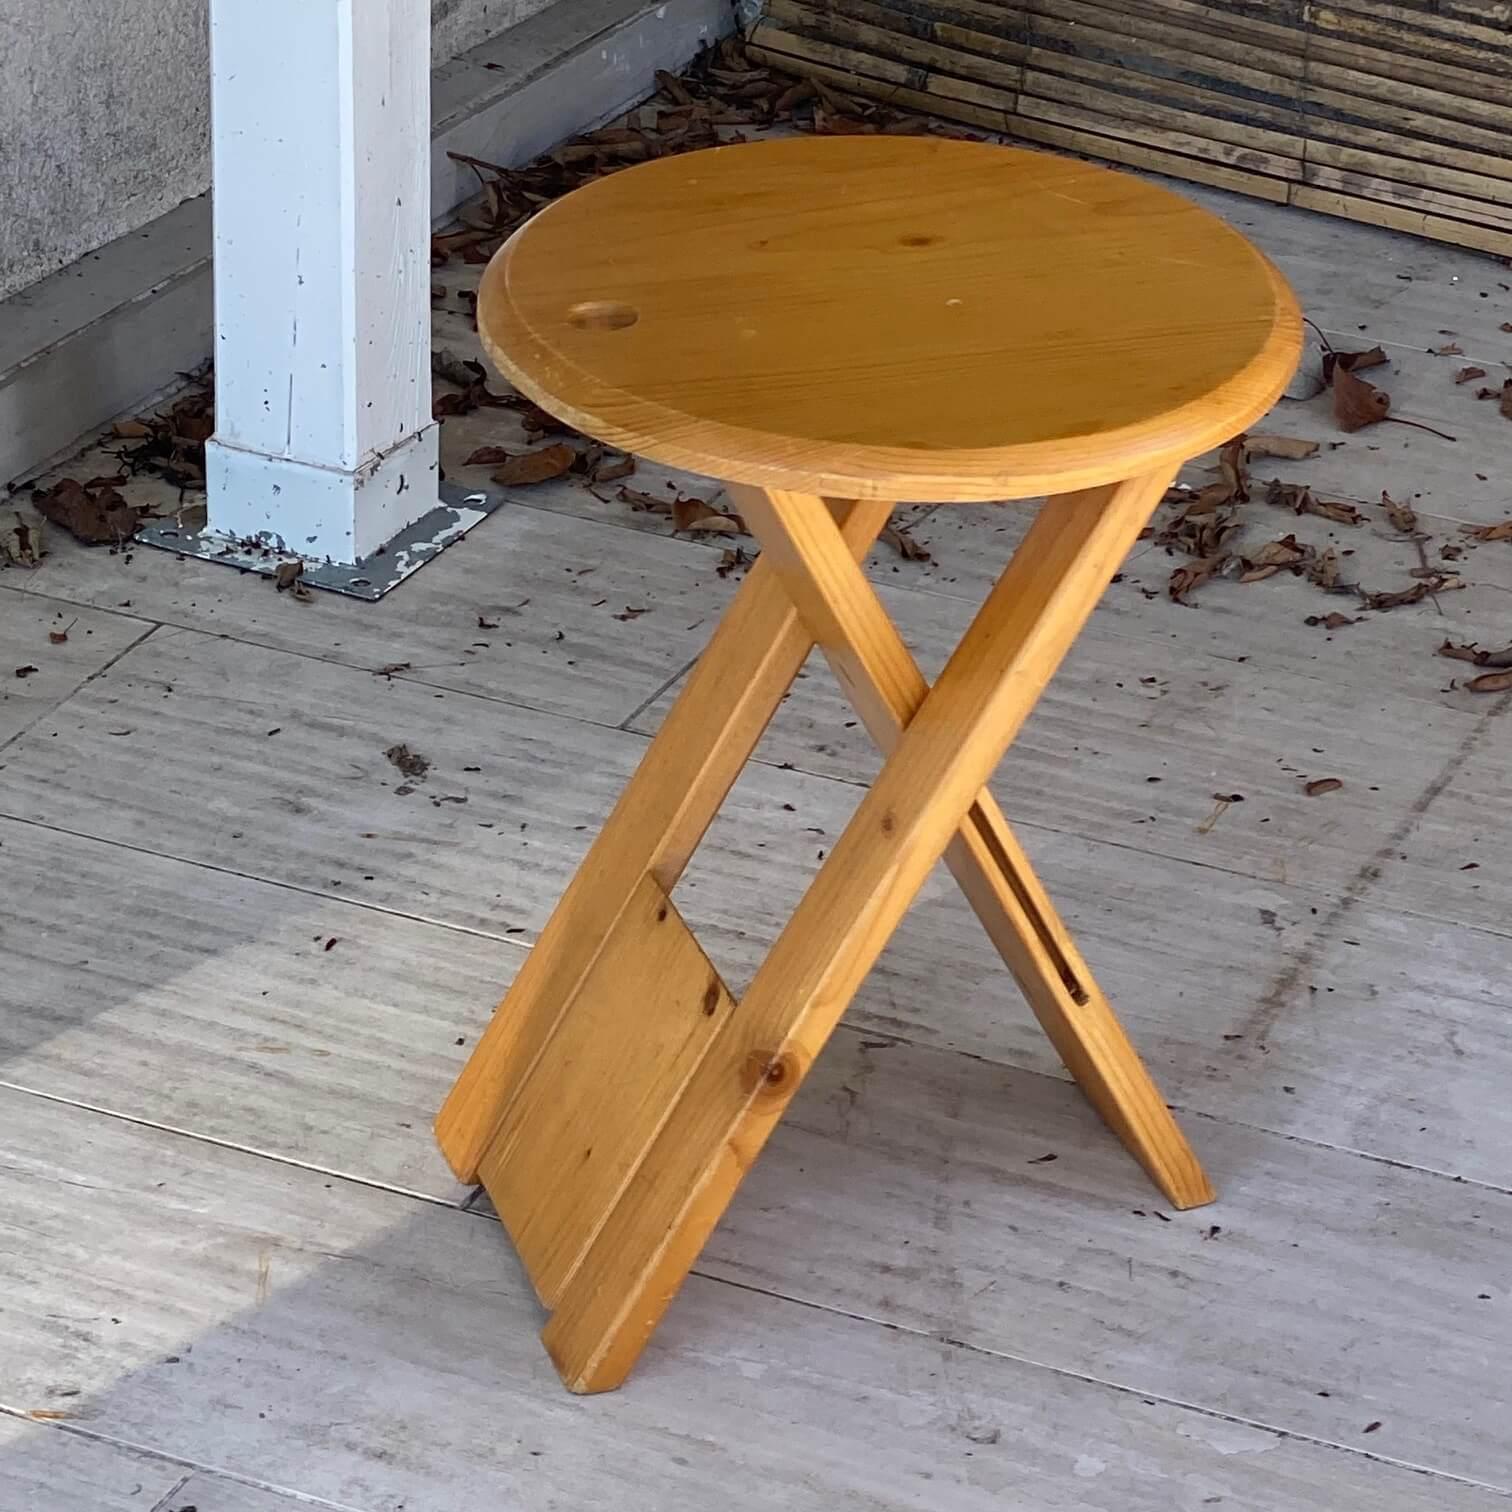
105,116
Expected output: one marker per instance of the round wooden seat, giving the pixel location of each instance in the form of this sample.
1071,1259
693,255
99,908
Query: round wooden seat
891,317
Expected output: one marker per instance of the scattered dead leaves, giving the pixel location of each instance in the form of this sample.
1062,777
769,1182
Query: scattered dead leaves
721,89
171,444
1502,531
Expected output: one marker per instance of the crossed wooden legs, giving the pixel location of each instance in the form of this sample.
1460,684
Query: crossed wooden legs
620,1093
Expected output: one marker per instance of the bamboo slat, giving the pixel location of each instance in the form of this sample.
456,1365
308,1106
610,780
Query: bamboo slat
1394,114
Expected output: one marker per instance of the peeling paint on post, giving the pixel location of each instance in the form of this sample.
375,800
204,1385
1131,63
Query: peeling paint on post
324,441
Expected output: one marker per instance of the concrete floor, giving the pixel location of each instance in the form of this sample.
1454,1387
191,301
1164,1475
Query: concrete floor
242,965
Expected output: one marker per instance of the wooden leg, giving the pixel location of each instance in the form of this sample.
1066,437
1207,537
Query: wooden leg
707,737
884,684
665,1209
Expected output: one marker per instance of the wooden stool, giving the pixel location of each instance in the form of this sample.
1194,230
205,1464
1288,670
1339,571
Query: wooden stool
830,325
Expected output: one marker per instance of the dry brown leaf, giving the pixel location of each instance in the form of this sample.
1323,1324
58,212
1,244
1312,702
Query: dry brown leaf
1324,569
1292,448
488,456
463,372
95,516
1232,471
411,763
1336,509
1449,349
1470,652
904,544
673,87
537,466
1320,785
1469,374
1505,402
1334,621
1185,579
21,537
732,559
611,468
1487,393
644,501
1490,682
1270,558
1296,497
539,422
1352,362
1467,652
1506,325
1395,600
1206,500
1413,595
800,94
131,430
631,612
1301,500
698,516
1499,532
1356,403
1402,516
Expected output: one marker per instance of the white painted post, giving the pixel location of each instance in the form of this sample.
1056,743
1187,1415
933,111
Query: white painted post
324,440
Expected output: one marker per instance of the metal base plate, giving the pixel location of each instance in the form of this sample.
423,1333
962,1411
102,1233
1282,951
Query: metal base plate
459,510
